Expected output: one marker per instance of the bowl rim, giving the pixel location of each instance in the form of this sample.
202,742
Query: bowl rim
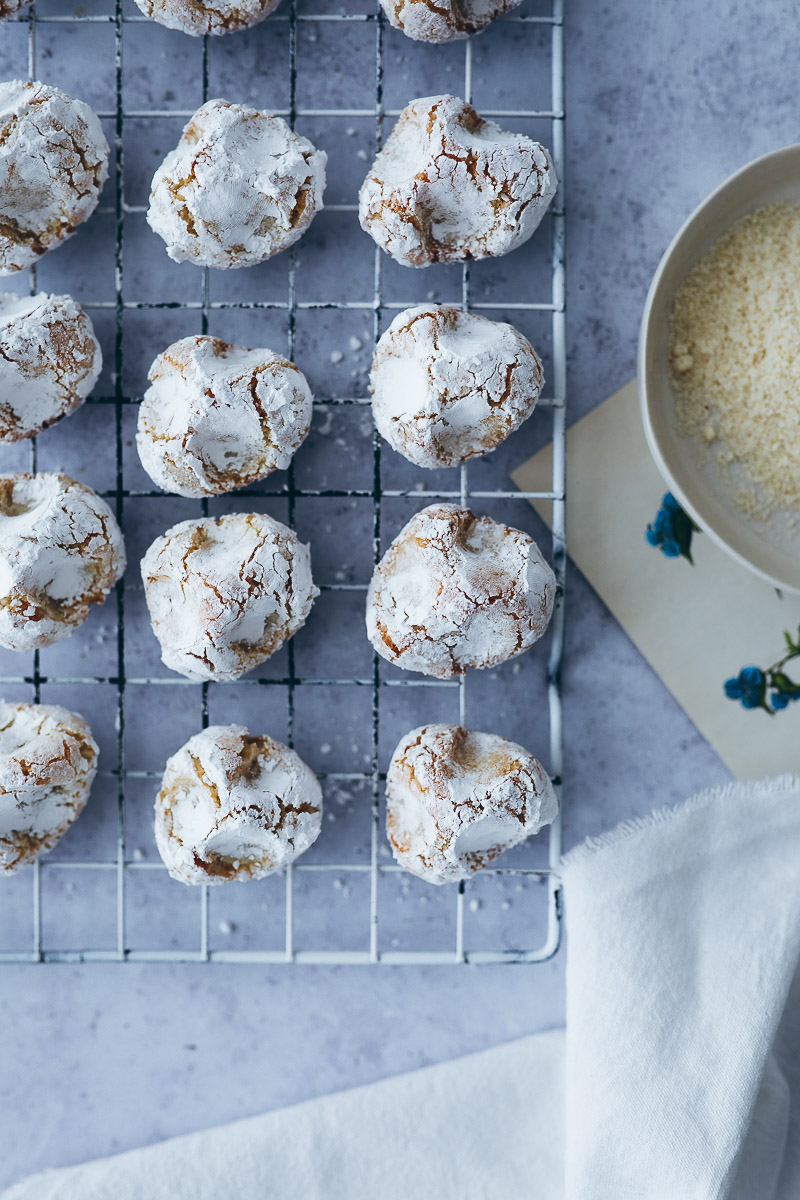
645,400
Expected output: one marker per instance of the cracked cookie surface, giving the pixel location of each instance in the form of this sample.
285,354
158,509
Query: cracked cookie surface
449,185
233,806
239,187
218,417
53,163
198,17
9,7
443,20
48,761
455,591
225,593
456,799
448,385
50,360
61,551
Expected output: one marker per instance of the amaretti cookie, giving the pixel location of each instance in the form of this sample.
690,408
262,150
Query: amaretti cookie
218,416
198,17
455,591
447,384
449,185
225,593
456,799
61,551
233,806
446,20
50,360
53,163
239,187
9,7
48,761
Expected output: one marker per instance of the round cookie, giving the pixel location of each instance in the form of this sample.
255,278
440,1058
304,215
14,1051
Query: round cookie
449,186
218,416
456,799
234,807
239,187
61,550
225,593
198,17
53,163
445,21
9,7
50,360
47,764
455,591
448,385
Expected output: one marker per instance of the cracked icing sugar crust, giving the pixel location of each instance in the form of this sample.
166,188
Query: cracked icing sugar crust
50,360
456,799
455,591
47,764
9,7
61,550
449,185
225,593
197,17
443,20
239,187
219,416
53,163
233,806
447,385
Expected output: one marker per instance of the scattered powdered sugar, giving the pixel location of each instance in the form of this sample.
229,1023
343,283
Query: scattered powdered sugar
455,591
47,764
225,593
449,185
446,20
456,799
239,187
219,416
210,16
448,385
233,806
53,163
50,360
61,550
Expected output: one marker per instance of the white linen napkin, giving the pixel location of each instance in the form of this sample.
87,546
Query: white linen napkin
681,1076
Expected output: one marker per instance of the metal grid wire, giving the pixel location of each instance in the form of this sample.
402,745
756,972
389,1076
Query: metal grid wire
124,862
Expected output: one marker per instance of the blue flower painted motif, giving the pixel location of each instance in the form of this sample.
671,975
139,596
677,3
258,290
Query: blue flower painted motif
752,685
671,531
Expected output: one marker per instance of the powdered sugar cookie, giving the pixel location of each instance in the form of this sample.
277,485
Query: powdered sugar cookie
198,17
225,593
47,764
456,799
61,550
53,163
50,360
446,20
449,185
239,187
217,416
447,385
235,806
9,7
455,591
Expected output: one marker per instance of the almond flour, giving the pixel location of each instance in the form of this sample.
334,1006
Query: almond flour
735,357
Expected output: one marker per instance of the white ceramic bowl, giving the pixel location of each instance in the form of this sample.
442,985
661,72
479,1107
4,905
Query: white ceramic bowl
770,549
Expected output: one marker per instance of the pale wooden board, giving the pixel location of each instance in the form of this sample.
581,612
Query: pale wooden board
696,626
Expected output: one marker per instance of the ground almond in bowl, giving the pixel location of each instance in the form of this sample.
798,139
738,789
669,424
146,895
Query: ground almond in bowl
735,356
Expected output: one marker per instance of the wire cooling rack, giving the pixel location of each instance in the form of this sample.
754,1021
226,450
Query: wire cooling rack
103,894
